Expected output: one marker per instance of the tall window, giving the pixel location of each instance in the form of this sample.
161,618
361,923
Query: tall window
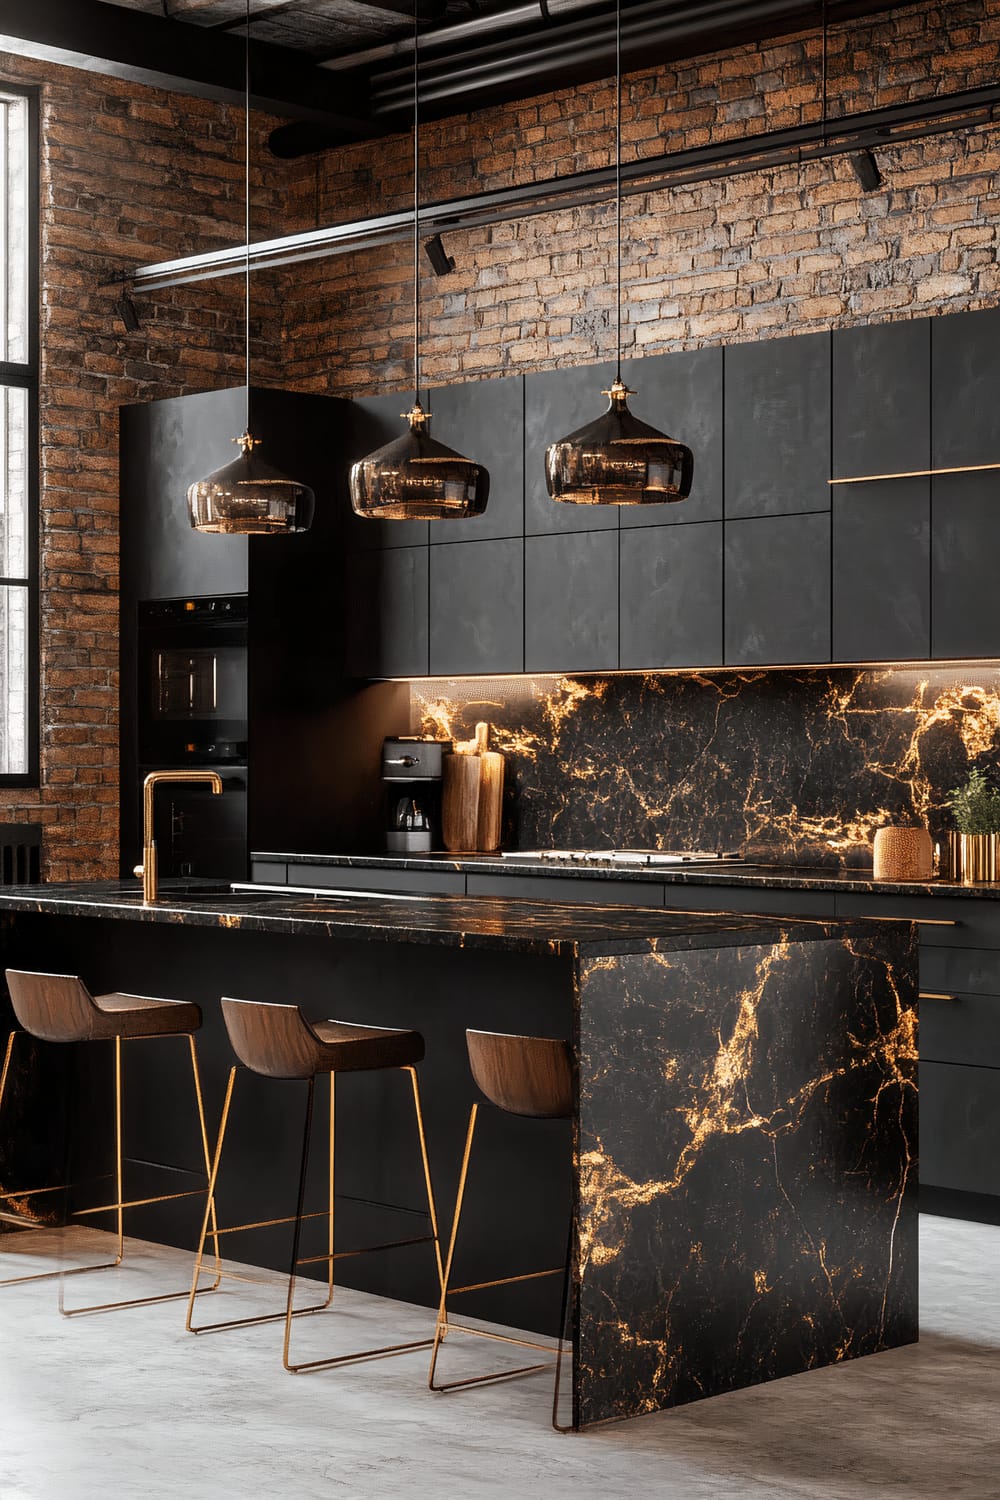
18,444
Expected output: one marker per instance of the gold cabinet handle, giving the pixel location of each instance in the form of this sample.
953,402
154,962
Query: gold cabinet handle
933,995
919,921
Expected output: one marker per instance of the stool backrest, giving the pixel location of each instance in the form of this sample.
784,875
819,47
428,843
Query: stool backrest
53,1007
275,1040
524,1075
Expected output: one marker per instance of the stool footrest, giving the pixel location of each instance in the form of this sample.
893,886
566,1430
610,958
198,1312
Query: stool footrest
313,1260
482,1286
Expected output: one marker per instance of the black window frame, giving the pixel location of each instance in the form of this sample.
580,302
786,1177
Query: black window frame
26,377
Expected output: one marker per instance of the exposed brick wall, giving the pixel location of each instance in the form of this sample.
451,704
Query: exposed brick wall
768,253
127,176
132,175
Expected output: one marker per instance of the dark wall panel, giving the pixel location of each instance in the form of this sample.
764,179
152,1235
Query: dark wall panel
387,622
556,403
778,426
477,607
881,398
681,394
777,582
881,571
671,596
484,421
571,602
965,375
965,545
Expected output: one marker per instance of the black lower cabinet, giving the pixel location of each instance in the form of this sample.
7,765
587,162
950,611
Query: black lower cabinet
777,581
476,607
881,571
671,596
965,530
960,1128
571,602
387,621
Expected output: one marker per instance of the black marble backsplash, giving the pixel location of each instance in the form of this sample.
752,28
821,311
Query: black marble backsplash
795,767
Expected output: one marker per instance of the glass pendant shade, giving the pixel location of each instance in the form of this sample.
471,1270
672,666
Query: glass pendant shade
415,478
248,497
618,460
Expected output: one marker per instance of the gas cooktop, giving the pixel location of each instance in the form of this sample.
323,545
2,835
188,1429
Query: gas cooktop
640,858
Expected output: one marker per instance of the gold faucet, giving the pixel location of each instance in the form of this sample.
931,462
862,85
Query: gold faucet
147,872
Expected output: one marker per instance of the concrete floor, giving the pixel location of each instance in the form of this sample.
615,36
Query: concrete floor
127,1404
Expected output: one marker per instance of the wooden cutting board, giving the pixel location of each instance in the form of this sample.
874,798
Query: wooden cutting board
490,793
460,802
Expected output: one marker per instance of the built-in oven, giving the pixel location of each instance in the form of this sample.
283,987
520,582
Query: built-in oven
192,713
192,689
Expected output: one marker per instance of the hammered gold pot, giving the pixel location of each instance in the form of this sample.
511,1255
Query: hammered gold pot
974,858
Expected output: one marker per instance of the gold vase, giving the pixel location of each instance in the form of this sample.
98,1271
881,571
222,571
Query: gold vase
974,858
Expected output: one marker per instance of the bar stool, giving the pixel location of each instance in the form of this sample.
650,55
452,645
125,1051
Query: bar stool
60,1008
276,1041
530,1076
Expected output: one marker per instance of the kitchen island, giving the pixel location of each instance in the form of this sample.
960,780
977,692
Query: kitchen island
740,1172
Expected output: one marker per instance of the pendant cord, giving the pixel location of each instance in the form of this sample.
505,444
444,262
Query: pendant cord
416,204
825,74
246,221
618,177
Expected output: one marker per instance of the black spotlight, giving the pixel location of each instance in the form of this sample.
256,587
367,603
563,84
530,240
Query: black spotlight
438,256
866,171
128,312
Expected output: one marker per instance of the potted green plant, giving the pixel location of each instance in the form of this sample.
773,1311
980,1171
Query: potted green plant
974,848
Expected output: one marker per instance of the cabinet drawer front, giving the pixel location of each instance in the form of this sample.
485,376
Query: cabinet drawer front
269,872
961,1029
960,1127
974,971
337,877
749,899
943,923
552,888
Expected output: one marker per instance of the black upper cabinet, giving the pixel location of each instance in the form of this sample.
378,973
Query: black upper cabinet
965,531
965,379
571,602
777,583
484,421
777,429
165,447
376,421
681,395
387,618
477,607
671,596
556,403
881,571
881,398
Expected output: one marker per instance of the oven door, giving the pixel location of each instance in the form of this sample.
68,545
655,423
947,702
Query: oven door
193,695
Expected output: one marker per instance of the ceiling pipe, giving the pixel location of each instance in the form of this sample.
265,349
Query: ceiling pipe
882,128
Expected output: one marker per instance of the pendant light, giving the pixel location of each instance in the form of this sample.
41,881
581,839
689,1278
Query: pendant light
248,497
618,460
415,478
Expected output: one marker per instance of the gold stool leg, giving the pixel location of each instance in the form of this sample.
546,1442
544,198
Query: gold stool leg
333,1256
120,1204
444,1325
207,1154
220,1271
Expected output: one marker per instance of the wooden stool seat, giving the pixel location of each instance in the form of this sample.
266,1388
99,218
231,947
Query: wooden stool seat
60,1008
524,1075
278,1042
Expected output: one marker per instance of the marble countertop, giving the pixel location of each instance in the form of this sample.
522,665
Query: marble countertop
503,924
764,877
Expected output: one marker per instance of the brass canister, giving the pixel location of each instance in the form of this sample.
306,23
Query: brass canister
974,858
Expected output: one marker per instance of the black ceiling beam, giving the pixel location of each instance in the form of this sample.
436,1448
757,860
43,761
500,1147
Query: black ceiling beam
171,54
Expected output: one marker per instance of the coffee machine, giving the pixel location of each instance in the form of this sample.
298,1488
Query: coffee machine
412,770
